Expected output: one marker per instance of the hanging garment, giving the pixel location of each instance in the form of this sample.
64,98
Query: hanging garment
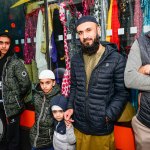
115,24
30,33
86,8
138,18
97,11
100,12
72,15
58,30
104,14
145,5
109,21
126,10
39,56
51,9
33,72
66,79
53,50
68,20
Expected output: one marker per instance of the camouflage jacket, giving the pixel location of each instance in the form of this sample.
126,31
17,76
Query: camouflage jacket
41,134
16,85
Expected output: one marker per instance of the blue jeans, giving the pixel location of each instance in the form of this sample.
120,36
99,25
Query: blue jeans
51,148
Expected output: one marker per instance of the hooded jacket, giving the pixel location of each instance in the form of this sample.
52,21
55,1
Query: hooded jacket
41,134
2,63
16,86
63,138
106,95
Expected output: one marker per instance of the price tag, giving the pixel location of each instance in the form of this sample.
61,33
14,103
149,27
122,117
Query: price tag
121,31
133,30
60,37
109,32
22,41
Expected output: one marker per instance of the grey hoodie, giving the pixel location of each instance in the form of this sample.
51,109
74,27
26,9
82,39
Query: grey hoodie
134,79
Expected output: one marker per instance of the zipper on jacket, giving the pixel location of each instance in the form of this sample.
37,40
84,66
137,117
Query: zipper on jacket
38,122
17,102
87,91
45,112
50,136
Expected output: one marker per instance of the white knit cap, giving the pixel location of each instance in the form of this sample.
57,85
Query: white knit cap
55,107
46,74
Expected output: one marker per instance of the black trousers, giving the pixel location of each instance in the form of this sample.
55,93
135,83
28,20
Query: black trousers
13,133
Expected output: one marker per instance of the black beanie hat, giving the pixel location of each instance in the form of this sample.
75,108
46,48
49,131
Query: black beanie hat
84,19
60,101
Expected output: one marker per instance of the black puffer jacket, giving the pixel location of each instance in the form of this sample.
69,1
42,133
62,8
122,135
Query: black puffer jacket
106,92
41,134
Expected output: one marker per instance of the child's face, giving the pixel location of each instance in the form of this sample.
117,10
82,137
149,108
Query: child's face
47,85
58,114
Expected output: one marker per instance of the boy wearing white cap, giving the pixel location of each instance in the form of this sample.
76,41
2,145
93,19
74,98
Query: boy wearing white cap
41,134
64,137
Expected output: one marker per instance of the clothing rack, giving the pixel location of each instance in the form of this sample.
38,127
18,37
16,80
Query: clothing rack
49,1
46,3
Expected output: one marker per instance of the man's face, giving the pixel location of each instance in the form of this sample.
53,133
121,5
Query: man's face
4,45
89,37
47,85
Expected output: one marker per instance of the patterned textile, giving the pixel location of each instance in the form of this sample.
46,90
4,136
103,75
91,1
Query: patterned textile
145,5
138,18
97,11
66,79
30,32
72,15
63,11
100,12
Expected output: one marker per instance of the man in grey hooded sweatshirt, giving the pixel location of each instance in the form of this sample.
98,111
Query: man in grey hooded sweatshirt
137,76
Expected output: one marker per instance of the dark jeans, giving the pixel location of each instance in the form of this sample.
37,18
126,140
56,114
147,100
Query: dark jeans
13,133
51,148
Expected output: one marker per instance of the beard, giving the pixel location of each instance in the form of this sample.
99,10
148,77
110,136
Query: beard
90,49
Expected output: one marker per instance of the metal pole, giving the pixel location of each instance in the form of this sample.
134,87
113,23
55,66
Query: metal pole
47,34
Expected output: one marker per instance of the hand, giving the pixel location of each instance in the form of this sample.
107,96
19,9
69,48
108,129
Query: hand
139,99
68,124
145,69
67,115
107,119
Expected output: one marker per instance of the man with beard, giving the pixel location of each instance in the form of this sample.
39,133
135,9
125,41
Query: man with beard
98,94
16,85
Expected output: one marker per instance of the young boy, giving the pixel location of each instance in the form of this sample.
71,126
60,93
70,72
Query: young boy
63,138
41,134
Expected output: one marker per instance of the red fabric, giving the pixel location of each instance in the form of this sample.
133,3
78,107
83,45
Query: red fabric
27,118
124,138
115,25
